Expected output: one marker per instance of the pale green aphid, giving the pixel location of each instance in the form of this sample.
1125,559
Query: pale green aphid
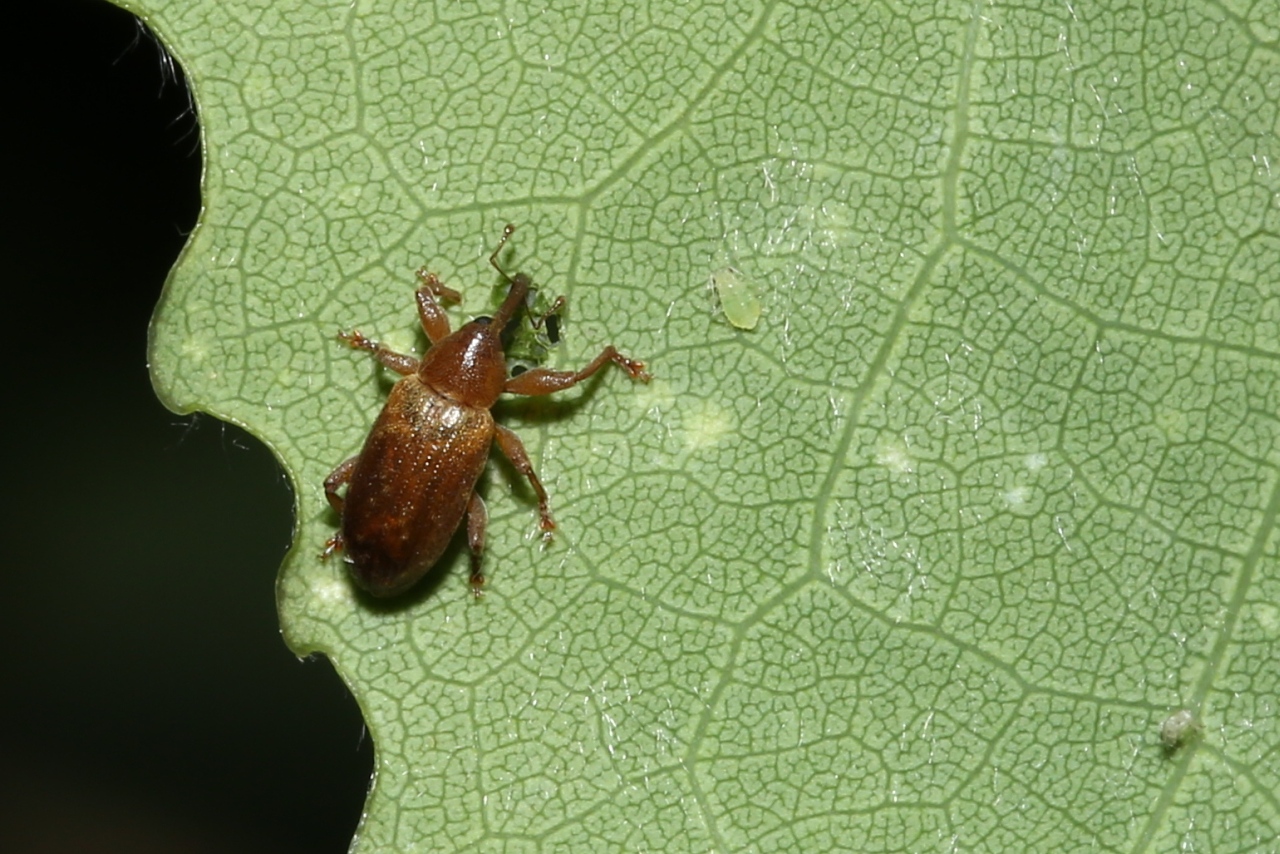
737,297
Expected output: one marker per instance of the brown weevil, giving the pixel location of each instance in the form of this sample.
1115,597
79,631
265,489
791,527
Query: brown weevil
414,481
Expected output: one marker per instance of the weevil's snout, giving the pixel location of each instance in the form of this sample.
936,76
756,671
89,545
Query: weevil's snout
514,303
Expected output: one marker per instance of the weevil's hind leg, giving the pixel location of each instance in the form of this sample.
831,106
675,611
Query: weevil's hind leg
339,476
333,544
514,450
434,321
546,381
398,362
477,521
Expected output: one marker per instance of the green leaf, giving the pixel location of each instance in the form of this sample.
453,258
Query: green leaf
921,562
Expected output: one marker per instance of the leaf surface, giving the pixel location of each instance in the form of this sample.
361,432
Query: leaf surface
923,560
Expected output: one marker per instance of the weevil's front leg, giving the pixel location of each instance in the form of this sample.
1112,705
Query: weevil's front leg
398,362
337,477
477,521
547,381
511,446
434,321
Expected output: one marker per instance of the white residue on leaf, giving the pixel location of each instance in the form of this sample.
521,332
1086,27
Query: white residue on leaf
1017,496
894,456
705,425
1061,528
1267,617
333,589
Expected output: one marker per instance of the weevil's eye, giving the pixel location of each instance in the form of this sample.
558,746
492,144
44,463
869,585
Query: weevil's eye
483,320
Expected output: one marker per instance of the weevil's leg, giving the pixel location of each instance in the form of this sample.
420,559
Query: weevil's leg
398,362
339,476
477,521
331,545
336,478
513,448
434,321
546,381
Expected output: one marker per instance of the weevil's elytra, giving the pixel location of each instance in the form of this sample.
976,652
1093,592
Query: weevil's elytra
410,487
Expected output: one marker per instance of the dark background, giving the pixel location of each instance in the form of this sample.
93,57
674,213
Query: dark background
148,702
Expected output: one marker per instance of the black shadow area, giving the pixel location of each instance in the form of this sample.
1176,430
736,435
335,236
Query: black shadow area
149,703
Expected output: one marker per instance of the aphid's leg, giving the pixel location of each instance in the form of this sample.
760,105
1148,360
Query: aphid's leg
557,306
551,320
398,362
477,520
336,478
546,381
513,448
434,321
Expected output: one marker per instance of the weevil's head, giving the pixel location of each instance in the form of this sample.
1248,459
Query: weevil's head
470,366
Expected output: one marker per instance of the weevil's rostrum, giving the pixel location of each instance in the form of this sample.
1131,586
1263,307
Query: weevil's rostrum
414,481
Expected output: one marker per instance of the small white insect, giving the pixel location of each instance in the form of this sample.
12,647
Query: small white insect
1178,728
737,297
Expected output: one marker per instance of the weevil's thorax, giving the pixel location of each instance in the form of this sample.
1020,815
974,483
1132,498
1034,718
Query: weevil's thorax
469,366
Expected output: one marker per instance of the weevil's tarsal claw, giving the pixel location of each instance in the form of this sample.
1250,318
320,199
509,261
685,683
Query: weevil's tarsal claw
356,341
637,370
431,282
331,545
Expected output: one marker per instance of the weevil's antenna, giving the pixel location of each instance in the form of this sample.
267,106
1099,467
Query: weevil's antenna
493,259
519,286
